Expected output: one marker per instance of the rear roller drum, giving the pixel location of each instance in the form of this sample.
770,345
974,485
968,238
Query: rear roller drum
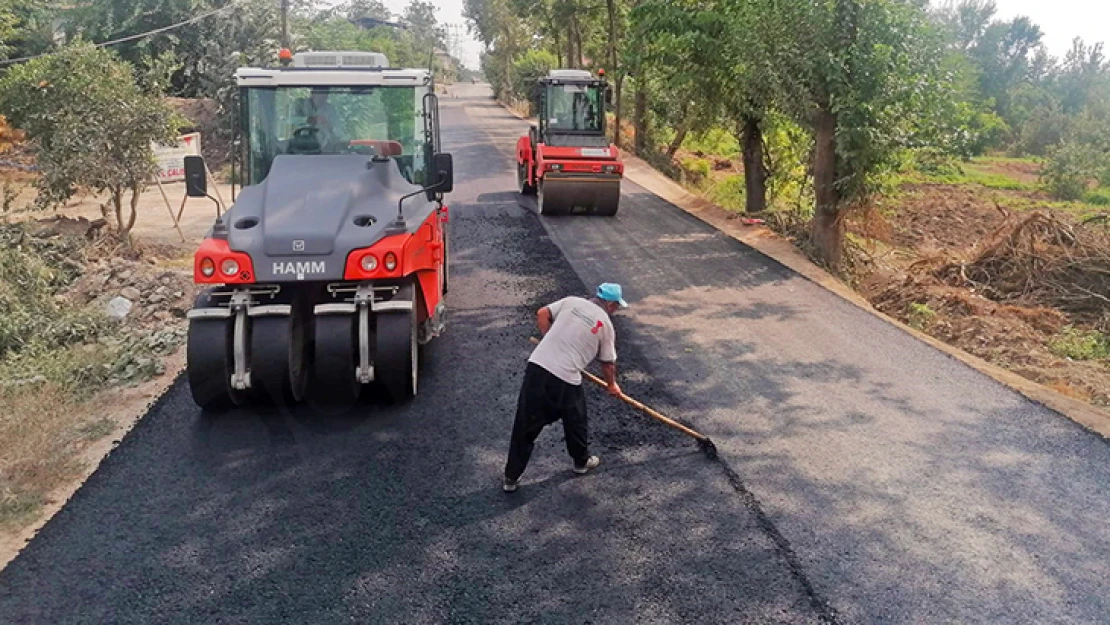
278,367
335,359
210,363
397,348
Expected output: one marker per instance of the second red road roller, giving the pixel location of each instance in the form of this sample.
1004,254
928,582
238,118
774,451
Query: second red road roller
566,159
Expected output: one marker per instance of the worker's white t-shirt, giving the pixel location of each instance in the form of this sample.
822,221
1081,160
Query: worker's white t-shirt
581,332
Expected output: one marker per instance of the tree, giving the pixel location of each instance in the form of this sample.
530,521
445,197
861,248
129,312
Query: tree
420,17
89,124
857,73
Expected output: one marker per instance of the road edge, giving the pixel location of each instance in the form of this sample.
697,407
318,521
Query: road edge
782,251
155,391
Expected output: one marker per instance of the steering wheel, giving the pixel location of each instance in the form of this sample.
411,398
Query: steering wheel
306,130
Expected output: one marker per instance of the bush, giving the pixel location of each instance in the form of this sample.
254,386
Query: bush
695,171
1098,197
530,68
1069,169
729,193
1078,344
920,316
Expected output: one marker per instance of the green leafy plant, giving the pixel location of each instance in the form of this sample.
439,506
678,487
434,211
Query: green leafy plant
1069,169
920,316
1078,344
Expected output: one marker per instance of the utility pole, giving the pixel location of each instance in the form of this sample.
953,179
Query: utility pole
285,24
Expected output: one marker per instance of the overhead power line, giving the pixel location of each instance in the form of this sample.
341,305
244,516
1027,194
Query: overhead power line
148,33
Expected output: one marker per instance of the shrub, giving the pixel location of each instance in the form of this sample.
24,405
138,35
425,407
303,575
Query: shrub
1078,344
1068,170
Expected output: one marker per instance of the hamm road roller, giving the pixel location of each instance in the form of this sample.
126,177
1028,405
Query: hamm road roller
328,271
566,159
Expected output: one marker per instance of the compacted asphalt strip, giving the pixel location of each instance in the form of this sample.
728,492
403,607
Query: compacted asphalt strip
394,513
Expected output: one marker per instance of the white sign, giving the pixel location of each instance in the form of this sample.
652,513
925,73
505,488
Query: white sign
171,159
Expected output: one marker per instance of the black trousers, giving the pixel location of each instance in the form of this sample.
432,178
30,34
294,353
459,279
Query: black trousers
545,399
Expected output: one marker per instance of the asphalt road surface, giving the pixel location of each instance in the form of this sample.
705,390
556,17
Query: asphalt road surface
864,477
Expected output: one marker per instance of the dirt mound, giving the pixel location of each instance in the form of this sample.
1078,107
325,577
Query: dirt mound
1007,287
946,217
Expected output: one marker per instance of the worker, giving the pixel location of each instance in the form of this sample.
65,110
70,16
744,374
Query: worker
575,332
327,118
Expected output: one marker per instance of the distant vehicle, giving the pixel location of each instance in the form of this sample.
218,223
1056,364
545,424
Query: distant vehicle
567,159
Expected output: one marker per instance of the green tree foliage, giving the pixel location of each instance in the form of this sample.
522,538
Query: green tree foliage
89,123
529,68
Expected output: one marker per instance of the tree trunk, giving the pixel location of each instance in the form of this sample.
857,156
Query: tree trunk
578,42
570,44
135,190
117,204
755,167
611,7
827,229
640,116
679,137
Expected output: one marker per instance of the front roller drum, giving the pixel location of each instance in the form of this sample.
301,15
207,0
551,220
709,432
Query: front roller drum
210,363
397,352
279,356
579,195
335,361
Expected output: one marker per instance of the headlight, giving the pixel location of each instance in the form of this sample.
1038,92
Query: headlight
229,267
390,261
207,267
369,263
609,169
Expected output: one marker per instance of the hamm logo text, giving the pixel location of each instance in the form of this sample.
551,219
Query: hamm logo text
300,269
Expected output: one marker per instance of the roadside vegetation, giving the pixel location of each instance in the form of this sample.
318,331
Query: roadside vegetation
936,157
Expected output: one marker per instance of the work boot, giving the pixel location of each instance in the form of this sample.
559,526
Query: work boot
591,463
510,485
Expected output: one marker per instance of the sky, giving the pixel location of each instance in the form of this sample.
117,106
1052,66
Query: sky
449,12
1060,20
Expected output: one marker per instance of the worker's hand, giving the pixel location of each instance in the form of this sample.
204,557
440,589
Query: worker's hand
615,390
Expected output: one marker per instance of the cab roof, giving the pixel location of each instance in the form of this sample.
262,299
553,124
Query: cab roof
333,68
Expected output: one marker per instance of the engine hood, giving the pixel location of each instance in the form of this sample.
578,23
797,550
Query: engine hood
320,207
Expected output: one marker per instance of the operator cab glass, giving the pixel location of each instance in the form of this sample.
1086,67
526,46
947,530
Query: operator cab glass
367,120
575,108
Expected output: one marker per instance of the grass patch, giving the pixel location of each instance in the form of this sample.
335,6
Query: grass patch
971,175
728,193
96,430
1098,197
39,427
1078,344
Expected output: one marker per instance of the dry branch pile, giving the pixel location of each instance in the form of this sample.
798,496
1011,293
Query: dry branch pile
1042,260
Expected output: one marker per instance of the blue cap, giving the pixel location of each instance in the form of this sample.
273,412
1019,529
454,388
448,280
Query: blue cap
610,292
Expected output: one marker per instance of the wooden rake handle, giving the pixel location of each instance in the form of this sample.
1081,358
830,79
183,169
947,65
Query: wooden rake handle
654,414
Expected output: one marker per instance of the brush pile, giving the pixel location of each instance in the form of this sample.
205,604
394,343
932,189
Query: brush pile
1041,260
